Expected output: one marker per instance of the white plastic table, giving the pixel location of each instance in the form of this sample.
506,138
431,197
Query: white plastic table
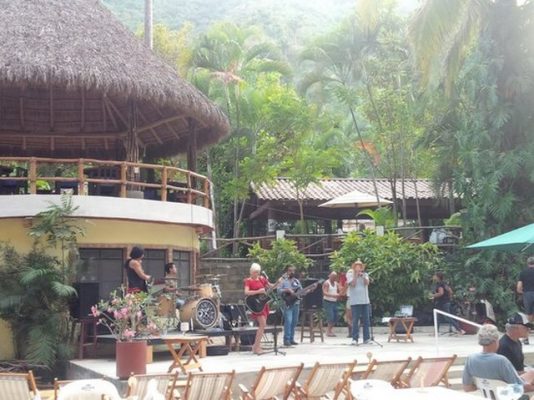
88,389
373,389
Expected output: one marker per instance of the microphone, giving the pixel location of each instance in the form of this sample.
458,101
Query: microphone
264,275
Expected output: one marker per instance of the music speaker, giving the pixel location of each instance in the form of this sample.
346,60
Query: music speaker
88,296
314,299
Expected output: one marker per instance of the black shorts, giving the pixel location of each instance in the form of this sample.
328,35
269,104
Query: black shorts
528,302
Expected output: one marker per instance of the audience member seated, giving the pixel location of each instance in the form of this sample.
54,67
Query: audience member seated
517,327
490,365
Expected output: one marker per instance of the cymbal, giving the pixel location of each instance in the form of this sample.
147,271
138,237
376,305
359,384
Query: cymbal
190,288
218,276
170,279
204,275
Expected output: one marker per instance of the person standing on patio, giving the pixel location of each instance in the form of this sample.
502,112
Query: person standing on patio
254,285
517,327
358,292
442,301
525,286
134,271
330,297
287,289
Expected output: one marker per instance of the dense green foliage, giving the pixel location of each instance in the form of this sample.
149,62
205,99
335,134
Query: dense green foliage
400,271
445,92
36,287
282,254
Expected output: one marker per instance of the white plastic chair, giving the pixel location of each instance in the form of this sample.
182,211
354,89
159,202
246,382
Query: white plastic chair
495,389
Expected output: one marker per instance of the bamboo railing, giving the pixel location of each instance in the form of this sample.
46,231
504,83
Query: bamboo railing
88,175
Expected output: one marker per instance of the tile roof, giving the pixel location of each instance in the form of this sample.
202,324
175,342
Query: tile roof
327,189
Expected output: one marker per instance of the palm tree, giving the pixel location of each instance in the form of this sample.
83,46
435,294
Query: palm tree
226,61
442,32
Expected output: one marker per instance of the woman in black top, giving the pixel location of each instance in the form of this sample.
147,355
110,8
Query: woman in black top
134,271
442,300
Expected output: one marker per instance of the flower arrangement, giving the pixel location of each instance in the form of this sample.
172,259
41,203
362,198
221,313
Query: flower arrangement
124,314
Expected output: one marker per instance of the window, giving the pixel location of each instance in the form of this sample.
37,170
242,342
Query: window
154,262
102,266
182,260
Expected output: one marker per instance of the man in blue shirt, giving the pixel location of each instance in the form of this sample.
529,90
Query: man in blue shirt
287,289
490,365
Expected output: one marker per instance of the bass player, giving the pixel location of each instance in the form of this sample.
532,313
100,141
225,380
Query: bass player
290,285
257,284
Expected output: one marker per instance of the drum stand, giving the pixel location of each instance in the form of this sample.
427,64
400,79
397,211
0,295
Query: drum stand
276,307
372,335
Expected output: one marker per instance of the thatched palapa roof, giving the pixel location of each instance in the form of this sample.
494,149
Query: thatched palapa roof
70,73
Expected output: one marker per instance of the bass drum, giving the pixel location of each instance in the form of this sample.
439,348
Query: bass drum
203,313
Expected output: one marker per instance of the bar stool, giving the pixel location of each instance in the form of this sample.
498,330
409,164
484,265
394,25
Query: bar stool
311,325
88,335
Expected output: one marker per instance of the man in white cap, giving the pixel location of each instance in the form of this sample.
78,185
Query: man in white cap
490,365
517,327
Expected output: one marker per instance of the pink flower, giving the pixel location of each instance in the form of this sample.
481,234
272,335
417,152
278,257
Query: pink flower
128,334
95,311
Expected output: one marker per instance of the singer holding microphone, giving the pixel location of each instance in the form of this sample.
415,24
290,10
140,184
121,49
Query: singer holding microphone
257,284
357,289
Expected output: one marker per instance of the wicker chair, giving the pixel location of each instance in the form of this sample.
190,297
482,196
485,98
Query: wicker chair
272,383
324,379
389,371
138,385
429,372
18,386
208,386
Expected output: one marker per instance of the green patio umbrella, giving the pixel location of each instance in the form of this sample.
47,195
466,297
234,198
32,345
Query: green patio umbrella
520,239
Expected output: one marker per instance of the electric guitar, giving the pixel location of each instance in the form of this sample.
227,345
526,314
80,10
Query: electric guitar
291,298
257,302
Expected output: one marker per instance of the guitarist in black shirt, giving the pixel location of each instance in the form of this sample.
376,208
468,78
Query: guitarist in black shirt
287,289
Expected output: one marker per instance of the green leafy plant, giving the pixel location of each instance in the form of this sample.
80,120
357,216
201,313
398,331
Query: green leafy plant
400,271
35,302
382,216
283,253
36,286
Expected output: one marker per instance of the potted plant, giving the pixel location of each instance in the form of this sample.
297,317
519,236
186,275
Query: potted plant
124,314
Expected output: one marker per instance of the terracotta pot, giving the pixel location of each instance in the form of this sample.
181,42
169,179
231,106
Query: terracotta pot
130,358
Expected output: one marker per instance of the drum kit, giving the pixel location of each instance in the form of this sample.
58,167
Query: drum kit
201,307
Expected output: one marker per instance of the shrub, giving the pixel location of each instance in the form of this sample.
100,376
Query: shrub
400,271
283,253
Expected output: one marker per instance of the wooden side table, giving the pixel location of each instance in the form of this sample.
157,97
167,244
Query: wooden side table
191,349
406,323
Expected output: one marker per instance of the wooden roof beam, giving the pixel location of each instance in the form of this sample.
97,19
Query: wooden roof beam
154,133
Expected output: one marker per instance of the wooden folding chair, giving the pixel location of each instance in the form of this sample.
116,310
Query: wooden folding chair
492,389
18,386
325,379
208,386
429,372
272,383
138,385
389,371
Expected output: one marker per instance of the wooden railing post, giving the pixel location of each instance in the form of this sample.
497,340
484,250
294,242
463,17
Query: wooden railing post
164,184
206,193
81,178
33,175
123,179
